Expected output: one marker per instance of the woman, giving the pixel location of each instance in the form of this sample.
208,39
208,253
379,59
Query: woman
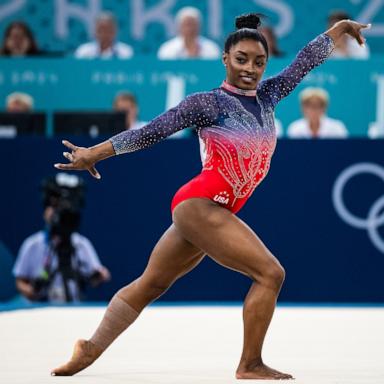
18,41
235,122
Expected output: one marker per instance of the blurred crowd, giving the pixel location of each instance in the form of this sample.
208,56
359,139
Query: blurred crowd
19,41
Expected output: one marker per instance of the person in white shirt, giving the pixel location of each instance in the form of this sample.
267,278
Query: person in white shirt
279,128
315,123
347,47
126,102
105,45
189,44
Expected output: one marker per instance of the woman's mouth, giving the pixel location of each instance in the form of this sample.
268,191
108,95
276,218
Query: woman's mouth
248,79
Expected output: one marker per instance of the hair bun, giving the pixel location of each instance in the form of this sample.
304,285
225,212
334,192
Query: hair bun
249,20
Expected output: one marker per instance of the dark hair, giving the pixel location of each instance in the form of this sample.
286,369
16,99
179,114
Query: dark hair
338,15
269,34
247,28
32,50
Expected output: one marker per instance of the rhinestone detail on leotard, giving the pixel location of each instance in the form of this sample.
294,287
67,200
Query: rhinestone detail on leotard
238,146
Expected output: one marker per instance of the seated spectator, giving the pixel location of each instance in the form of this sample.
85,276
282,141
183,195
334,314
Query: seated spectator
105,45
316,124
19,102
270,36
376,131
127,102
18,41
279,128
57,263
189,44
347,47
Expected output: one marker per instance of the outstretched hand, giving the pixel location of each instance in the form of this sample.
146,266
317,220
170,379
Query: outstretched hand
80,158
353,29
348,27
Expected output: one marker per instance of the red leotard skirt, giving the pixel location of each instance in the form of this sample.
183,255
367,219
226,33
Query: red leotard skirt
211,185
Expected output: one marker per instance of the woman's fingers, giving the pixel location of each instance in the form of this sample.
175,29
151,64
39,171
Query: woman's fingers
93,171
359,37
68,156
357,32
77,160
70,167
64,167
69,145
354,31
365,26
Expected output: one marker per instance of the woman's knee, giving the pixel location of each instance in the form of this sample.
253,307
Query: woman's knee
272,275
277,274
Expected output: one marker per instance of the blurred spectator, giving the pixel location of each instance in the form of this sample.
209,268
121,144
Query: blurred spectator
105,45
376,131
316,124
18,41
347,47
127,102
19,102
56,264
270,36
279,128
189,43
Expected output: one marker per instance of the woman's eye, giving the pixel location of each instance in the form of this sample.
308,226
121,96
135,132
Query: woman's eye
260,64
240,60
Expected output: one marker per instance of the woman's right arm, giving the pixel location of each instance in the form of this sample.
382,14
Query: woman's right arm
197,110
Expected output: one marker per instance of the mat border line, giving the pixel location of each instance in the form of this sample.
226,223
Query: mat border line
7,307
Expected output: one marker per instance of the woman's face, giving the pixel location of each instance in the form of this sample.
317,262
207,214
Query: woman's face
245,63
313,108
189,27
106,33
17,42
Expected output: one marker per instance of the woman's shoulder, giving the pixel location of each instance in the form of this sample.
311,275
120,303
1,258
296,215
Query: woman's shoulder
203,93
268,92
205,103
203,97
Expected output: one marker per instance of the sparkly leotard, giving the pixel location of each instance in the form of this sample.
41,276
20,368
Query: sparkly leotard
238,131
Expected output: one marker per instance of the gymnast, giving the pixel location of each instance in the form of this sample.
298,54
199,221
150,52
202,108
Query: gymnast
236,125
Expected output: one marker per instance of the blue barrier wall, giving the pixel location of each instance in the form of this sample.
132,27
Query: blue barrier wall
330,254
356,88
7,282
64,24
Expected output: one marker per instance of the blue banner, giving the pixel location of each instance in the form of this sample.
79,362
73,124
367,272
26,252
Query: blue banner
320,211
356,88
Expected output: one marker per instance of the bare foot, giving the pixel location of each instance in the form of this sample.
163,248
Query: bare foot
84,354
261,372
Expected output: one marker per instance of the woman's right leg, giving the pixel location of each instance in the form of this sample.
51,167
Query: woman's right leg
171,258
231,243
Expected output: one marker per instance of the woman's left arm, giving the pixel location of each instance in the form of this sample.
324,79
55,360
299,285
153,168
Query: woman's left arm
312,55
